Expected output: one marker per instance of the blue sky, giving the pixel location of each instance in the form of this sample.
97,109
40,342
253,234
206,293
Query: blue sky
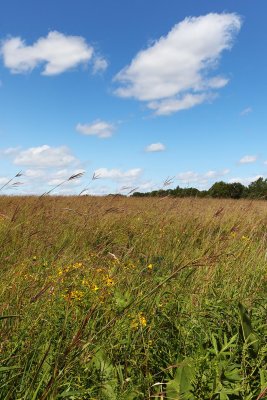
134,92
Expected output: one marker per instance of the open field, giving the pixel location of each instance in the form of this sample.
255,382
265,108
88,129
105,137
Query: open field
127,298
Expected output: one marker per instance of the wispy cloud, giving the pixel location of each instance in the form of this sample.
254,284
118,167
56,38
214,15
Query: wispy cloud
155,147
56,52
249,159
246,111
174,72
102,129
171,105
99,65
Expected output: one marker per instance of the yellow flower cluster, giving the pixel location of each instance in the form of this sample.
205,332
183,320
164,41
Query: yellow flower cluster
139,321
72,267
74,295
109,281
244,238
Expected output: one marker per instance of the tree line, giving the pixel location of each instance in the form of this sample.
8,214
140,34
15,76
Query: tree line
235,190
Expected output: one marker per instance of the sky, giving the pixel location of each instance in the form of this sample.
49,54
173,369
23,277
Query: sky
129,94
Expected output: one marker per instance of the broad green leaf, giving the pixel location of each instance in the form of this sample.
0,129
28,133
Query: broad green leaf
248,334
181,386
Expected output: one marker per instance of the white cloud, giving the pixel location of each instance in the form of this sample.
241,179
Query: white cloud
190,177
154,147
248,159
44,157
99,65
62,175
177,65
98,128
246,111
171,105
3,180
217,174
10,151
117,174
245,181
34,173
57,52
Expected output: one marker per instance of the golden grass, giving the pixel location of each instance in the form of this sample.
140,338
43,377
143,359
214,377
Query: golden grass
127,286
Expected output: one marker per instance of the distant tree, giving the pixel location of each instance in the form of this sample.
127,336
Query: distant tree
227,190
220,189
140,194
190,192
237,190
203,193
258,189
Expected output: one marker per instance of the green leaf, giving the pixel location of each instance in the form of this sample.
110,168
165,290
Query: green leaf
6,369
263,378
122,299
249,335
180,388
233,374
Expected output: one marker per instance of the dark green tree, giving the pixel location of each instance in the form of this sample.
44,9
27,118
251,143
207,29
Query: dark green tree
258,189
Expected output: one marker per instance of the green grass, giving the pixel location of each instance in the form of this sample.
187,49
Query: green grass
124,298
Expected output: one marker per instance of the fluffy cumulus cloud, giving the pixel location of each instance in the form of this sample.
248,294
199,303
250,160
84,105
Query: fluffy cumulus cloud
34,173
118,175
155,147
44,157
248,159
63,175
245,180
202,179
99,128
174,72
56,52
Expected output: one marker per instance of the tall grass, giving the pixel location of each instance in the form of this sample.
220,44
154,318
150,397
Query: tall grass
124,298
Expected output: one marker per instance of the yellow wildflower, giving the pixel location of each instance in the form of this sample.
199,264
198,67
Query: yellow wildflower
77,265
150,266
142,321
95,288
109,281
246,238
139,321
74,295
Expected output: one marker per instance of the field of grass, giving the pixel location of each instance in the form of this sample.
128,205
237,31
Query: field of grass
124,299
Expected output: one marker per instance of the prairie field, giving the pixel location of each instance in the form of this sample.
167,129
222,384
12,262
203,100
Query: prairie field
123,298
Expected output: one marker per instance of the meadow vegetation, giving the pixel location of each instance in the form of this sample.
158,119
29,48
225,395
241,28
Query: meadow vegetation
119,298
